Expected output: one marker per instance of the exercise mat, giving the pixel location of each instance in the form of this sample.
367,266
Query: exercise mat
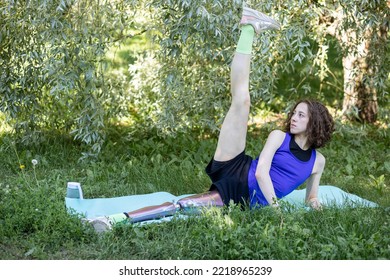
95,207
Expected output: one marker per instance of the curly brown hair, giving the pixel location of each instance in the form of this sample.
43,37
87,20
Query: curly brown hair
320,126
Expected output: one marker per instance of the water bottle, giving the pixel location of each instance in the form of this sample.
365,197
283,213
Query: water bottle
74,190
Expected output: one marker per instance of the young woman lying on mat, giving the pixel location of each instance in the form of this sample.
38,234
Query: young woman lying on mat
287,160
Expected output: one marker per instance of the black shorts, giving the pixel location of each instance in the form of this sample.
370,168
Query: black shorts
230,178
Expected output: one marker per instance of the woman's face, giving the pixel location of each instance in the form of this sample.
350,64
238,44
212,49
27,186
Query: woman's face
299,119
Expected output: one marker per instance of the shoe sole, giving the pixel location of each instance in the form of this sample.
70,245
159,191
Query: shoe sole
100,226
260,16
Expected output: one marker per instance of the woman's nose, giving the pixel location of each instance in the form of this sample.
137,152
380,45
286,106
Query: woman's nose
294,118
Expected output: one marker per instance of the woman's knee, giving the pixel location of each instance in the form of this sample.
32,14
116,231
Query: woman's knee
241,101
208,199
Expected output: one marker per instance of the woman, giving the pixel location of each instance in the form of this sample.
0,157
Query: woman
286,161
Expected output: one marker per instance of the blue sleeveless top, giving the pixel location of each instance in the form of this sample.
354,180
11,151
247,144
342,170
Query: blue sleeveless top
287,173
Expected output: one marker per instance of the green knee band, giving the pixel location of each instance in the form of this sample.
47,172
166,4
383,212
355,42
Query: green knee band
244,44
117,218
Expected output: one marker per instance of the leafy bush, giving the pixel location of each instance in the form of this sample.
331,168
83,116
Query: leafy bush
52,63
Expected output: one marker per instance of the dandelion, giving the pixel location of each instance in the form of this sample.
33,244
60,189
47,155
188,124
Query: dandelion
22,166
35,162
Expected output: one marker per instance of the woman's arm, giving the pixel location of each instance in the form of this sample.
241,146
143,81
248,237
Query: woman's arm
274,141
314,181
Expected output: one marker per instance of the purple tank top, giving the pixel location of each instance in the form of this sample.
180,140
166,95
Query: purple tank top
287,173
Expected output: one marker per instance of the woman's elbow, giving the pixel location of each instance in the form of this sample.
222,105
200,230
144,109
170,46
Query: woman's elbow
262,171
260,176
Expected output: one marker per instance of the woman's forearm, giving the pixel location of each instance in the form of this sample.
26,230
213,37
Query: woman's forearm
267,188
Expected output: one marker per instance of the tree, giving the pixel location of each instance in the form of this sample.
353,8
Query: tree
198,38
54,74
361,29
52,65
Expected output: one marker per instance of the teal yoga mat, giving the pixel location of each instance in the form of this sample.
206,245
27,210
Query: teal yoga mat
96,207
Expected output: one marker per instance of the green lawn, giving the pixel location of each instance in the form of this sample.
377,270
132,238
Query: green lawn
34,223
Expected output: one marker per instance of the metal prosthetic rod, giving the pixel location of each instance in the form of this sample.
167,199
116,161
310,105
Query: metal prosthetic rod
192,203
153,212
187,205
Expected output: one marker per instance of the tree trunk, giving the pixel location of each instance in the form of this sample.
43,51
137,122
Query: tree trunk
361,64
360,95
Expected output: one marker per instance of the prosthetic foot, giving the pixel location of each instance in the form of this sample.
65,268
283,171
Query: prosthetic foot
101,224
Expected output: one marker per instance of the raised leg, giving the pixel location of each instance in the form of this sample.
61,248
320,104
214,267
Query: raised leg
232,137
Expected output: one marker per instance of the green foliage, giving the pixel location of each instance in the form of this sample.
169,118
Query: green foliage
57,74
222,235
351,153
197,40
52,57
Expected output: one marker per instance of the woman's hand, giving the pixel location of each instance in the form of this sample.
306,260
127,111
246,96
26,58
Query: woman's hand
314,203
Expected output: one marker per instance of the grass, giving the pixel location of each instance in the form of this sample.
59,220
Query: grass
34,223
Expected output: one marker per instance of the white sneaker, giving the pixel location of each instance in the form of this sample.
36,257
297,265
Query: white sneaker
101,224
258,20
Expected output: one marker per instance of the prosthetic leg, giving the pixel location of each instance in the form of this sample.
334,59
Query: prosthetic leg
186,205
153,212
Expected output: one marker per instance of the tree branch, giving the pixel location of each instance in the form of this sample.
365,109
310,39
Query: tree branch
129,36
